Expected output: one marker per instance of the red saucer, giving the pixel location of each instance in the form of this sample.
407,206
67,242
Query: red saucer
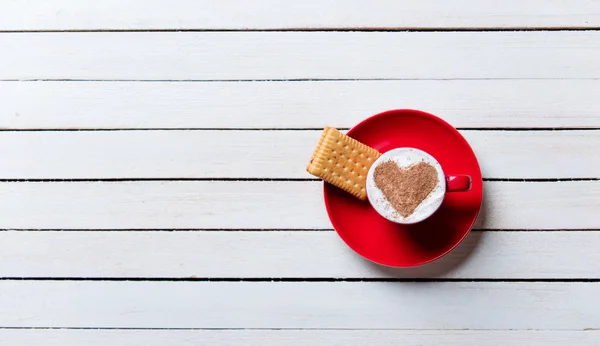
387,243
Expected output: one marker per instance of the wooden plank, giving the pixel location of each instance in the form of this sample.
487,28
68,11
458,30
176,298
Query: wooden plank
323,305
263,204
269,14
95,337
302,104
285,254
264,154
300,55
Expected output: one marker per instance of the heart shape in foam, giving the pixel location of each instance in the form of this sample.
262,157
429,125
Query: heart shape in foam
405,188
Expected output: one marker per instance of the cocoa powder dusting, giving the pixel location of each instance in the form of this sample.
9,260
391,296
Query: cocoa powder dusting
405,188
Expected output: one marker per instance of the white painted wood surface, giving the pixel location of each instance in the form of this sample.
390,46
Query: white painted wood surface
300,55
272,14
302,66
250,205
304,104
320,305
95,337
265,154
99,337
285,254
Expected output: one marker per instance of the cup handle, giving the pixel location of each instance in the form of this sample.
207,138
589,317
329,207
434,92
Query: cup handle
456,183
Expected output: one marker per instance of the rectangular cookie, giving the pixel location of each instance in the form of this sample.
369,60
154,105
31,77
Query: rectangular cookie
342,161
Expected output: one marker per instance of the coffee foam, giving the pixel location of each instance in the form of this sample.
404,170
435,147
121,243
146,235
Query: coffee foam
404,158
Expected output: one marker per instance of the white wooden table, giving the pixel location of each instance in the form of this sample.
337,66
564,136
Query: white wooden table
153,189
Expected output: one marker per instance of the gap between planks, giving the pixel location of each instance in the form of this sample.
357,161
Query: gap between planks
278,279
117,180
255,230
359,29
133,129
